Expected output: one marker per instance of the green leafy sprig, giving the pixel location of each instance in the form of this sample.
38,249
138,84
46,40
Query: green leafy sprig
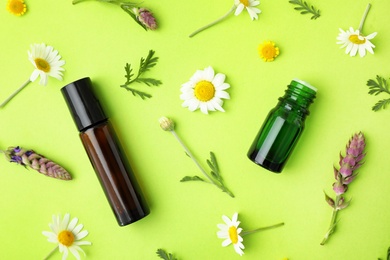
144,66
305,8
377,87
213,177
164,255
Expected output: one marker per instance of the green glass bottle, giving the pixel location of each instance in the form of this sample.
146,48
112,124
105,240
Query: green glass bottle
283,127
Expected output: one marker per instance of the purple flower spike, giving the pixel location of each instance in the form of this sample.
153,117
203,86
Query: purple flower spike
29,158
344,176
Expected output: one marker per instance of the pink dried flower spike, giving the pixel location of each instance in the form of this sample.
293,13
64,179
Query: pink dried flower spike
37,162
146,18
344,176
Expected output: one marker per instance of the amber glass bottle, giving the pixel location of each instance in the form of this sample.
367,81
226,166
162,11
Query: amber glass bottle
283,127
105,153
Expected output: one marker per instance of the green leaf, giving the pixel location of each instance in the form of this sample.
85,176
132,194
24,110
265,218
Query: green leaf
164,255
381,104
378,87
191,178
145,65
302,5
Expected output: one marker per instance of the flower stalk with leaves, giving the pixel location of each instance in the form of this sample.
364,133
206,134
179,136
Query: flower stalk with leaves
344,176
237,8
140,15
29,158
145,65
377,87
214,177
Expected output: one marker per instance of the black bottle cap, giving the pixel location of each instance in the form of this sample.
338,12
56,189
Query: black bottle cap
82,103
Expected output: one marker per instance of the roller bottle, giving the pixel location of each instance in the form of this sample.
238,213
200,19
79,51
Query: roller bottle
105,153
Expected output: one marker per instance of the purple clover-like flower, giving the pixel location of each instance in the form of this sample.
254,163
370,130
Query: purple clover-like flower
349,163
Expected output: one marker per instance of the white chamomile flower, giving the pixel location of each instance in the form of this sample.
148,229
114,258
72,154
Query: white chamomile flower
67,235
355,42
231,233
249,5
47,62
205,90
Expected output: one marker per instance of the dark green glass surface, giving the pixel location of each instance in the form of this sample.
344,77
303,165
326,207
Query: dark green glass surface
282,128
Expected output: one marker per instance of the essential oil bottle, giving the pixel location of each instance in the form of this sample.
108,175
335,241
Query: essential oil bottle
105,153
283,127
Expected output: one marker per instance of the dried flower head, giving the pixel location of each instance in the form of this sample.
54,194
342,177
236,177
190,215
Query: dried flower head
349,163
146,18
37,162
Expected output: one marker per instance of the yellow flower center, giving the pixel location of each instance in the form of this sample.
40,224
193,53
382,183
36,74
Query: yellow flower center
16,7
354,38
204,90
66,238
268,51
233,234
42,64
245,2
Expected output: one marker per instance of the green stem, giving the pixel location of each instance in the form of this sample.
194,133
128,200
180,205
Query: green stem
51,252
333,221
188,152
364,17
244,233
213,23
15,93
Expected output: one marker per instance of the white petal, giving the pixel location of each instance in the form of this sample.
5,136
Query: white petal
81,235
226,242
209,74
74,252
239,9
354,50
371,36
203,108
218,80
222,94
34,75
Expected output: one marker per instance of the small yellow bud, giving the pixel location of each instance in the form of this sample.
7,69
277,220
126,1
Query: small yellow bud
166,124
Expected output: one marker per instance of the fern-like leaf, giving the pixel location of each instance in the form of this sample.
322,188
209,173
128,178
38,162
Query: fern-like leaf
191,178
381,104
145,65
305,8
378,87
164,255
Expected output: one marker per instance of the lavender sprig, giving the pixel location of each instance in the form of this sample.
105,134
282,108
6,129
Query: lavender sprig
344,176
37,162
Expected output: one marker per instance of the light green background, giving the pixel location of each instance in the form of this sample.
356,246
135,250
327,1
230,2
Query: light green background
97,39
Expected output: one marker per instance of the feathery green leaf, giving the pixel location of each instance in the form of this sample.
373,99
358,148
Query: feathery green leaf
144,66
191,178
305,8
377,87
164,255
